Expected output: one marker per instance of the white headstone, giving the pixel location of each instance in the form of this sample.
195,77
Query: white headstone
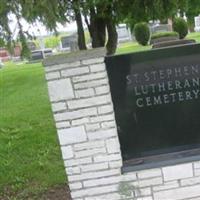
41,42
197,23
155,28
124,33
179,13
185,17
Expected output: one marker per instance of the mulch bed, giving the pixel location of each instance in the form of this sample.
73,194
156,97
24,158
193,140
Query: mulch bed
58,193
55,193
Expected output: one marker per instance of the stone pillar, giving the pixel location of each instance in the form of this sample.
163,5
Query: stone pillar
83,111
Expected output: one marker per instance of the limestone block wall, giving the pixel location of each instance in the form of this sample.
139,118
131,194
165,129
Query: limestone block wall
83,111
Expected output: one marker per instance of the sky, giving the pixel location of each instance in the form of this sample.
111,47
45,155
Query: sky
38,29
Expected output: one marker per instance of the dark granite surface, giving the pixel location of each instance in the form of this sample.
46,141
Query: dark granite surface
156,100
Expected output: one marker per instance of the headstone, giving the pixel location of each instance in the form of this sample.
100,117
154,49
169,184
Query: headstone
41,54
47,52
41,42
69,43
37,55
124,33
197,23
172,42
156,96
155,41
155,28
185,17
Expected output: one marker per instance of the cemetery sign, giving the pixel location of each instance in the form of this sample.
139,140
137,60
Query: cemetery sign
156,96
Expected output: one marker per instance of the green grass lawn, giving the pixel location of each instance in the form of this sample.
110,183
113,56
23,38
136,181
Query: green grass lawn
30,159
131,47
195,36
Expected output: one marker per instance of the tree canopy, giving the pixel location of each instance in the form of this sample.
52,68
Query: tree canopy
100,16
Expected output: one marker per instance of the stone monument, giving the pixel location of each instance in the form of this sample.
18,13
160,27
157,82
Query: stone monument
128,129
155,28
124,33
40,54
69,43
197,23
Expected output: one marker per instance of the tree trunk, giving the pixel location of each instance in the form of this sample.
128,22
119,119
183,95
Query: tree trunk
80,29
101,31
112,37
94,34
97,29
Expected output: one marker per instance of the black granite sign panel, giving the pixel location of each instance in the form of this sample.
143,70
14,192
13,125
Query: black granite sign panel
156,96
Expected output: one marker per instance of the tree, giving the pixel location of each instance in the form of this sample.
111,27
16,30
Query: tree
5,32
31,11
99,15
190,7
79,23
147,10
6,8
182,6
49,12
193,10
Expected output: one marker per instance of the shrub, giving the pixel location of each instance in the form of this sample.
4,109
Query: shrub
164,34
142,33
181,27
